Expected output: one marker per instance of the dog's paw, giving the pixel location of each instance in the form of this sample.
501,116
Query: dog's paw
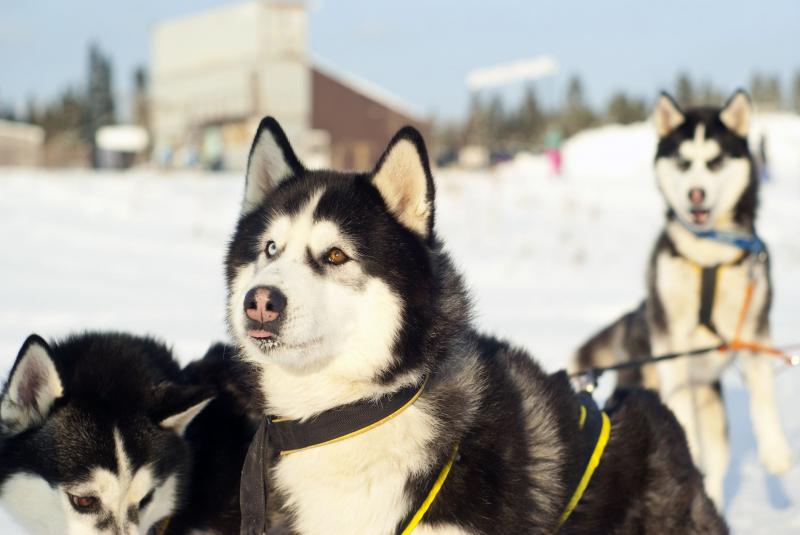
776,457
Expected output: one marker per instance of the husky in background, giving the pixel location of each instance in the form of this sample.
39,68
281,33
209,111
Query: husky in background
99,434
696,287
339,291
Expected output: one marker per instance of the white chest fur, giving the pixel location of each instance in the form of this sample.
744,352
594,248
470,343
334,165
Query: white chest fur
679,287
357,486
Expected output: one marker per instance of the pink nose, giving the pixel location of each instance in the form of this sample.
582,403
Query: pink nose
264,304
697,195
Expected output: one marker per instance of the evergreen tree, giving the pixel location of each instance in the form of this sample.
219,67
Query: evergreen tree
530,118
684,90
140,107
774,93
496,121
7,112
100,111
796,92
758,89
576,114
625,110
475,131
66,114
765,91
31,111
708,95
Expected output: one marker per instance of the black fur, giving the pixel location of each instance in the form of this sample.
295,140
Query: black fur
108,381
119,381
516,425
218,438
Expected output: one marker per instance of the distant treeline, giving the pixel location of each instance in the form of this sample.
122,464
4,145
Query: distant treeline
74,116
528,124
71,119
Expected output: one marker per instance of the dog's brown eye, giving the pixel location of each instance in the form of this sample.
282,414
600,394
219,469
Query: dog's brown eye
336,257
683,164
84,504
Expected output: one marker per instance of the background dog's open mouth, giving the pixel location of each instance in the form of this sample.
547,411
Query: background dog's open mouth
699,217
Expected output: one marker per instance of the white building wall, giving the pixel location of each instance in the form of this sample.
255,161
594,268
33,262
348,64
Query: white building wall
231,65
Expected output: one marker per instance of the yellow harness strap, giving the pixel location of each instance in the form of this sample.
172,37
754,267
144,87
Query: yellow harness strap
437,486
594,462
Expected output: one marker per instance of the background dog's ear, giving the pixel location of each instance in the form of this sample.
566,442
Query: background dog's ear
403,178
736,113
271,161
667,115
175,406
33,386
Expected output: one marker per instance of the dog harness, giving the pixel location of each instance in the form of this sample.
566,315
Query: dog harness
596,430
748,243
709,276
277,437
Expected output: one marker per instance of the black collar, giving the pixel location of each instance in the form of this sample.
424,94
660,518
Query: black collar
279,436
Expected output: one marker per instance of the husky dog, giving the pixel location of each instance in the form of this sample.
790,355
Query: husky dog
99,435
340,293
696,287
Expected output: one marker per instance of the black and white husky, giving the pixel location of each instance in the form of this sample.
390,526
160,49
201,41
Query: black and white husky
100,434
340,293
697,284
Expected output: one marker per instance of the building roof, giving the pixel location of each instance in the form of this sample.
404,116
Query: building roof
368,89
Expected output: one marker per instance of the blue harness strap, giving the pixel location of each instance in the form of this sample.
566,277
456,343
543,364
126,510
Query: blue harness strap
747,242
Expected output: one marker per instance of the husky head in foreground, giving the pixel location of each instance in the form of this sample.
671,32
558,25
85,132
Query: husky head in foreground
329,273
703,165
91,435
340,292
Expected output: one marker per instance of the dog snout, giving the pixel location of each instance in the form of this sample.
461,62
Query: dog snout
697,195
264,303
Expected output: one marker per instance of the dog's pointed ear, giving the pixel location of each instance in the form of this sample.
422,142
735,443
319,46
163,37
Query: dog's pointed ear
403,178
272,160
175,406
33,386
668,115
735,115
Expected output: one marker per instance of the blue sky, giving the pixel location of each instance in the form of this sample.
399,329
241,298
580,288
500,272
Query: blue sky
422,50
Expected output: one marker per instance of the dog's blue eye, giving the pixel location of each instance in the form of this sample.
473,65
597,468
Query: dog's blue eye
271,249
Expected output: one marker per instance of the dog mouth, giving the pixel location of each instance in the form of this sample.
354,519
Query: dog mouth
265,340
699,215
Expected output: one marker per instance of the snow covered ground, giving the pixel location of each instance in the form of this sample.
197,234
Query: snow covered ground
549,260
